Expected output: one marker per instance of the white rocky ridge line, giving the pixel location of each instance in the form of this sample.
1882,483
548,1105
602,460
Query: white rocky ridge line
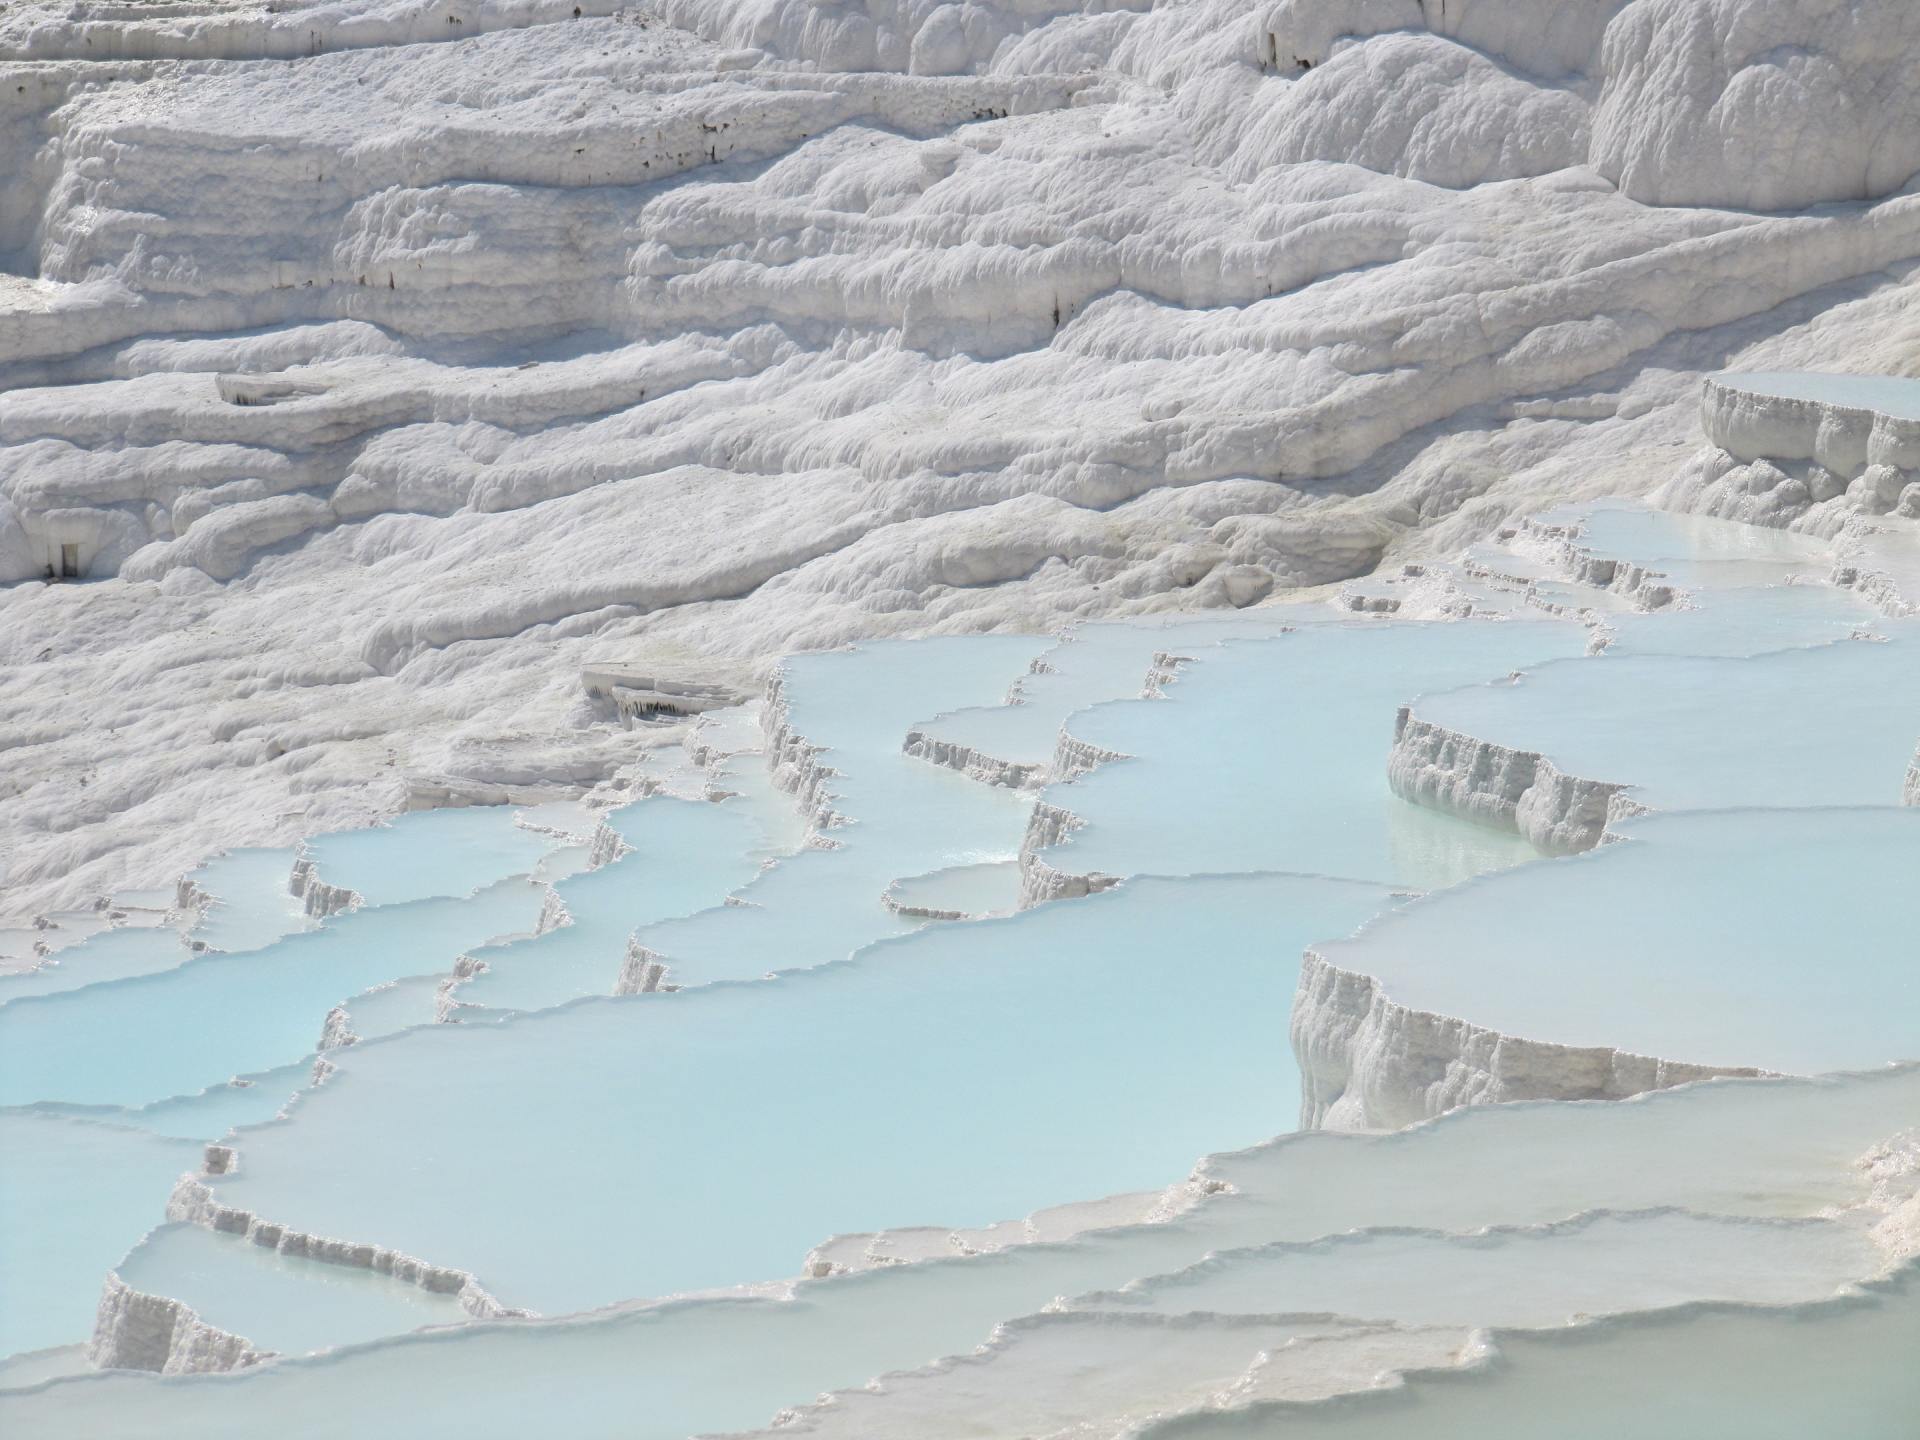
1559,547
1802,464
973,764
1518,790
1071,757
337,1030
895,898
318,898
447,1003
867,1250
796,766
193,1202
1040,880
1369,1063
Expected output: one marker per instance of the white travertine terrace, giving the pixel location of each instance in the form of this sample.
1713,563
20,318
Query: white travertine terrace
711,661
1378,1045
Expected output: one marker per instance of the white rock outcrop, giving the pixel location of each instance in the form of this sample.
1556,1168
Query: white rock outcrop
1368,1063
136,1331
1517,790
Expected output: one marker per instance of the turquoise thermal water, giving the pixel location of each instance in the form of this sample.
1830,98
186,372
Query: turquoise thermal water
252,905
74,1194
687,855
1543,1275
175,1033
1771,1148
1742,622
908,817
964,1075
972,891
110,955
1272,754
1824,725
1760,938
428,854
1094,662
972,1072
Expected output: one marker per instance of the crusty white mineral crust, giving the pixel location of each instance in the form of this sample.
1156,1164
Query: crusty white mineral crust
1518,790
1367,1063
136,1331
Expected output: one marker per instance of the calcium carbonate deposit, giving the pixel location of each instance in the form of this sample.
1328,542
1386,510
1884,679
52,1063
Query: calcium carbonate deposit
1175,718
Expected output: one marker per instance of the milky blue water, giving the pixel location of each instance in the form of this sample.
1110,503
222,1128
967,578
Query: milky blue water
1092,663
216,1016
1750,621
1823,725
972,891
908,817
1753,938
1272,754
252,906
110,955
429,853
74,1194
575,1152
964,1075
1841,1369
719,1366
687,855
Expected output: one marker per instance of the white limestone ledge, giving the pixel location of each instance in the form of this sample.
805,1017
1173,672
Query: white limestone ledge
336,1031
1885,592
874,1249
974,764
1517,790
1558,548
795,761
1369,1063
194,1202
642,971
1816,466
1070,757
606,846
446,996
1040,881
190,902
1844,440
907,910
1647,588
554,914
133,1330
318,898
1163,670
1910,791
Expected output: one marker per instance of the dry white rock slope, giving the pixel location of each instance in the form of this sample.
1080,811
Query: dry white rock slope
384,363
